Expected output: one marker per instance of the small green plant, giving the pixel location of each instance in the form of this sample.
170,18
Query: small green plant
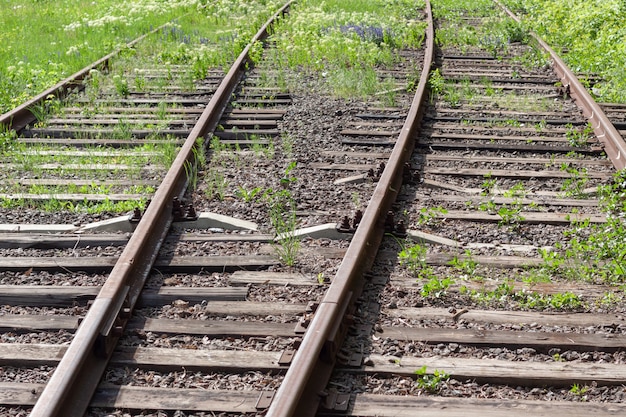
287,142
517,191
287,178
579,390
7,139
215,185
436,287
430,215
488,206
356,201
465,264
121,85
431,382
574,186
578,138
540,126
248,195
282,213
437,84
494,44
510,215
488,185
413,257
123,130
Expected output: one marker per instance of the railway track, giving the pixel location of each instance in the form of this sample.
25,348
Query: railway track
189,292
465,311
214,313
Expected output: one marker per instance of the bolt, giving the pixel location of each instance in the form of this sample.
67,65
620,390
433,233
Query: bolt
358,216
407,174
400,229
177,209
136,217
379,171
190,213
389,223
344,225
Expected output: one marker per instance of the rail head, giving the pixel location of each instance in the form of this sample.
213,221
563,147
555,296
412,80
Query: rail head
310,369
613,142
71,386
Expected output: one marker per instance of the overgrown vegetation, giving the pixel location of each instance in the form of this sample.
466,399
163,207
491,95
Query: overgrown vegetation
346,41
43,42
595,252
591,33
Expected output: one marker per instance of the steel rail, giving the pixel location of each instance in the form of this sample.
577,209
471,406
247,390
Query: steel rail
74,381
21,116
302,389
614,144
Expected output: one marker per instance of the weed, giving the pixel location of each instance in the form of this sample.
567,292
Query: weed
488,206
215,185
248,195
517,191
437,84
287,178
356,201
121,85
7,139
413,257
510,214
578,138
287,142
436,287
431,382
123,130
488,185
466,264
282,213
574,186
579,390
430,215
495,44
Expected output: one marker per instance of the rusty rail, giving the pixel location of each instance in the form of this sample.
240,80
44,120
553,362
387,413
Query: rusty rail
301,391
69,390
614,144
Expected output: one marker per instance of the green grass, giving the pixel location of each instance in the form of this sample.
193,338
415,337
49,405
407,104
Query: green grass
43,41
345,41
592,33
